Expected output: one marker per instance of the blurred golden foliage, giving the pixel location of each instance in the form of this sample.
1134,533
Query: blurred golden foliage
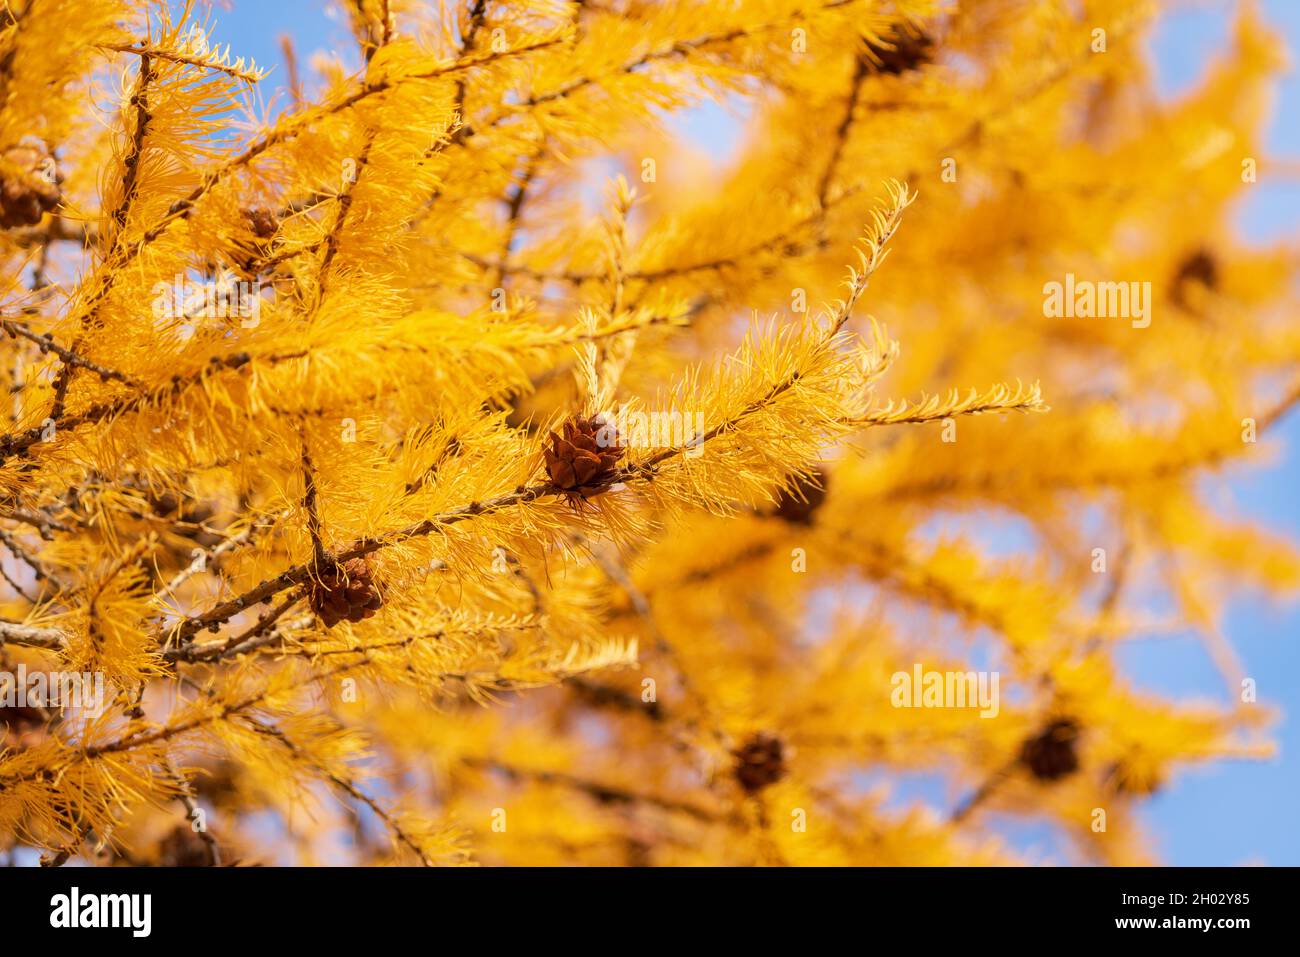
418,490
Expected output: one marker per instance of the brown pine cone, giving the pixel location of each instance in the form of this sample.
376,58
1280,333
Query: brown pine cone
1051,754
345,592
23,727
220,785
901,52
799,503
584,460
1199,268
183,847
760,762
28,186
186,513
263,222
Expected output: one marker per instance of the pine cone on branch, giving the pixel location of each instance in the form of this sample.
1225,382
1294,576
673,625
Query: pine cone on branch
1052,753
799,503
901,51
584,460
760,762
1201,268
262,222
28,184
23,726
183,847
345,592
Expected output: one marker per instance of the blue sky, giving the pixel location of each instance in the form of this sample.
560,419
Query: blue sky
1229,813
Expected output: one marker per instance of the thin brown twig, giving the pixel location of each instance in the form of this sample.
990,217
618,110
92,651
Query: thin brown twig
46,343
131,163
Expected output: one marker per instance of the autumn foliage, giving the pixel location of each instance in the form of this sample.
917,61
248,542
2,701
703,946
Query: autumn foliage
443,460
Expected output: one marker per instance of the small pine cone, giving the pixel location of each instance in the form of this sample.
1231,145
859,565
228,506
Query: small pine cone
1052,754
186,513
345,592
520,413
798,504
1199,268
901,52
219,786
23,727
263,222
183,847
760,762
584,460
28,184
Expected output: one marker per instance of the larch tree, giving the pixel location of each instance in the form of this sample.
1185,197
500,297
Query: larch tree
432,453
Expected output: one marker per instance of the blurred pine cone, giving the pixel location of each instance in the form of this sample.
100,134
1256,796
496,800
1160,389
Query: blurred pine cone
900,51
1052,754
760,762
189,514
28,184
24,727
183,847
1201,267
800,502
